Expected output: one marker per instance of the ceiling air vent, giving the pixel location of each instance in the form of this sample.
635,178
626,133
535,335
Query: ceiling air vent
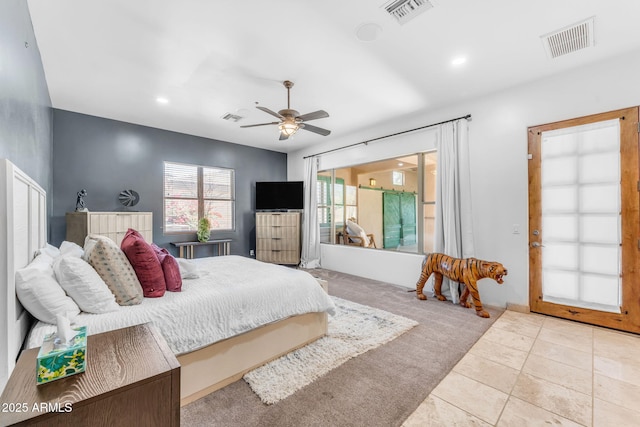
232,117
405,10
570,39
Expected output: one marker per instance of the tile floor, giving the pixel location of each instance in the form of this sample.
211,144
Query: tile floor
533,370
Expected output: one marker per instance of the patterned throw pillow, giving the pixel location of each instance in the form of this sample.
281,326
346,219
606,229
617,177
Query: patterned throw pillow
114,268
170,268
145,263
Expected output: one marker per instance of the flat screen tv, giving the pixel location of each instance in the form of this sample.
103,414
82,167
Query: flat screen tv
279,196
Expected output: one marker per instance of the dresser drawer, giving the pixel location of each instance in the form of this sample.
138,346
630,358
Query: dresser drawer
287,219
283,232
264,244
279,256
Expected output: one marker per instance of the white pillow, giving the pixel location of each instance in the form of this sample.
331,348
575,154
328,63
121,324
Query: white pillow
42,262
71,249
49,250
84,285
41,295
188,269
355,229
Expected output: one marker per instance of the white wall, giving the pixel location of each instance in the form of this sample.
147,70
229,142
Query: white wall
498,145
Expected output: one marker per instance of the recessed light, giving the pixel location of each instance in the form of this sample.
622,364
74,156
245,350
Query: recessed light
162,100
458,61
400,164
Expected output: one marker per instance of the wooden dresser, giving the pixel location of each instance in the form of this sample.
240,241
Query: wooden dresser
278,237
110,224
132,379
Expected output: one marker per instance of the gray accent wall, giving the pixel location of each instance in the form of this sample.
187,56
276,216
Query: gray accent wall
107,156
25,106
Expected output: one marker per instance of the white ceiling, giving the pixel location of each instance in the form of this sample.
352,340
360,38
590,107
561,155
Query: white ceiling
113,58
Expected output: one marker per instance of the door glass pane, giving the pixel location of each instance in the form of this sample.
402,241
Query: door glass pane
600,289
600,229
560,227
603,139
562,145
580,200
599,198
560,284
561,256
600,259
560,199
600,168
559,171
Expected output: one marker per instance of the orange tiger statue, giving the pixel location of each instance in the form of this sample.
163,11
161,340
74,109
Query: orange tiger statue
467,271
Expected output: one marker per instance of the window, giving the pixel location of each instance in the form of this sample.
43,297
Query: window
398,178
193,192
323,195
430,162
391,199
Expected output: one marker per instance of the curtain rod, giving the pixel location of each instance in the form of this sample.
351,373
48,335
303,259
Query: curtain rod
467,117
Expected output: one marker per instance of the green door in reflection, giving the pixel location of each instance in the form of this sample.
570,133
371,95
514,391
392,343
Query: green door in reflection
399,219
408,218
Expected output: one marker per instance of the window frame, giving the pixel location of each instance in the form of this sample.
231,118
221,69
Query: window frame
201,199
329,178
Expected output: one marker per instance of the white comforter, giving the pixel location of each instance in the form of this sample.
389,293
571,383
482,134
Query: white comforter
233,295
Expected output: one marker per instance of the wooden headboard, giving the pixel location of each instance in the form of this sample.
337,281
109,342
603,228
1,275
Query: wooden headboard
23,230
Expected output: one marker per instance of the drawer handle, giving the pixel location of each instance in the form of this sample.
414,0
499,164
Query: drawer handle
276,238
275,250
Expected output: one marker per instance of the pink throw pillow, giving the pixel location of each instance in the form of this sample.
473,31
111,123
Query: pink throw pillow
145,263
170,268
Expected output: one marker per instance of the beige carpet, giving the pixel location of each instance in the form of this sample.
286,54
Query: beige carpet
352,331
381,387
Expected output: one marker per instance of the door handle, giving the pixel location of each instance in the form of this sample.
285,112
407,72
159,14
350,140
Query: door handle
536,245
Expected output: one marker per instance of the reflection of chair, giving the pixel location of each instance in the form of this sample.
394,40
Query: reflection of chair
355,235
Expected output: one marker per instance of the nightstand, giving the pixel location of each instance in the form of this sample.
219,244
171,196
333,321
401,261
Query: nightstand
132,378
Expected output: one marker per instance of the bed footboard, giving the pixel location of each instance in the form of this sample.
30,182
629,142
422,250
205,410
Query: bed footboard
218,365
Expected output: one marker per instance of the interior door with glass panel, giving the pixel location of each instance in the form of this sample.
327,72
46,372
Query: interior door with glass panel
584,256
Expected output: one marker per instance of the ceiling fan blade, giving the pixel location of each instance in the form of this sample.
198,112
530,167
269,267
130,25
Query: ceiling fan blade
315,129
320,114
260,124
268,111
283,136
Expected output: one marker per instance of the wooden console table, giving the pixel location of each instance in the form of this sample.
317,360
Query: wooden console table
132,378
224,247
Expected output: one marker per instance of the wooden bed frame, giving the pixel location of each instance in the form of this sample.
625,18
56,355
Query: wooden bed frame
23,230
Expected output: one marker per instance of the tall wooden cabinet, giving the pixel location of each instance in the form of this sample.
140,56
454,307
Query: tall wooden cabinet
110,224
278,237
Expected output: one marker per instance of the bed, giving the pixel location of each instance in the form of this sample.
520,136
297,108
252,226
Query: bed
210,356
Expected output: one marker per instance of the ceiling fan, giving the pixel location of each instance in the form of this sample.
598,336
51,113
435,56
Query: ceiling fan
291,120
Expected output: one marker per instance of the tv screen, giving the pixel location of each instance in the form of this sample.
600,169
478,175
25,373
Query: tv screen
283,195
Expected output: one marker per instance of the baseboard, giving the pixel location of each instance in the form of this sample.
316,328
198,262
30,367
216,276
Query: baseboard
521,308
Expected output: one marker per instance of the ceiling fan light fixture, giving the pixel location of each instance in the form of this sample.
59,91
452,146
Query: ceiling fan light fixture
290,120
288,128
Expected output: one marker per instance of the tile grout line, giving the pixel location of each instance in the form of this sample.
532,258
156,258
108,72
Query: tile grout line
519,373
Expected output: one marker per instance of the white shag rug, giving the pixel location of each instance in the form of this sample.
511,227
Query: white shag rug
355,329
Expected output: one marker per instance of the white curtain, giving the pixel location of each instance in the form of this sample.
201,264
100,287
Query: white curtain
310,226
454,231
